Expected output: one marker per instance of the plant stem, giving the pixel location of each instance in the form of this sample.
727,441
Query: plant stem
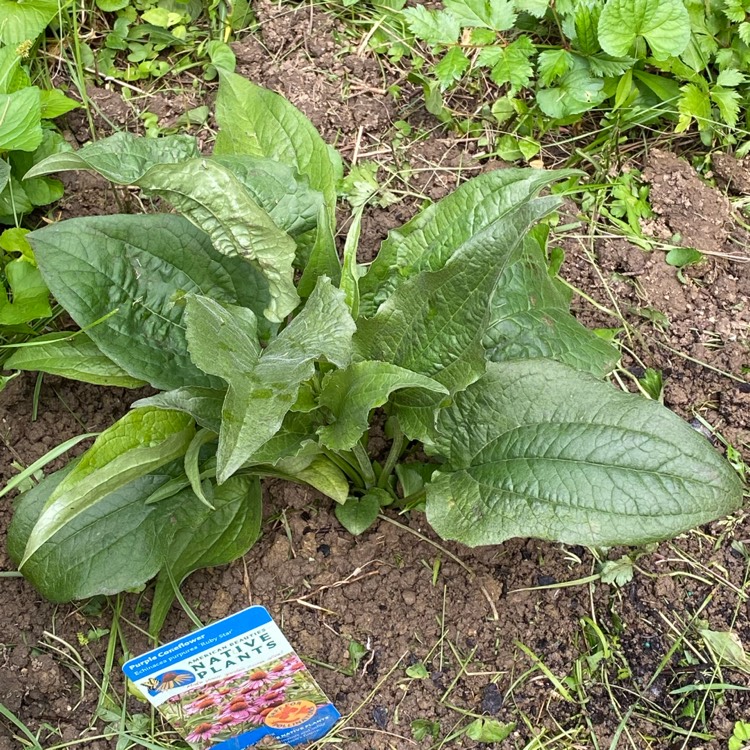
393,455
365,467
350,471
413,499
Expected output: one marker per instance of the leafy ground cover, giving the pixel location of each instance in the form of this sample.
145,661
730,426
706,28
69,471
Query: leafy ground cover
632,670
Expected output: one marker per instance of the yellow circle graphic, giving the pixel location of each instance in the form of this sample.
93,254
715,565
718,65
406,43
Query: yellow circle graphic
291,714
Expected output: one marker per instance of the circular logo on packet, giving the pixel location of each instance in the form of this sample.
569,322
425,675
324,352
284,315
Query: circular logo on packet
291,714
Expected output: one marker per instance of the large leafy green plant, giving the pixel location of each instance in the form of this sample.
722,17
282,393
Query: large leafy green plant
270,356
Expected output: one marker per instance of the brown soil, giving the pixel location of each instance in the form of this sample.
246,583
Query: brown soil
326,588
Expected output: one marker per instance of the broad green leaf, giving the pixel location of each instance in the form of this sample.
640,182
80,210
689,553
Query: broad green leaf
664,24
110,6
497,15
350,394
75,357
202,404
116,545
129,276
262,389
287,197
576,92
447,229
30,296
254,121
139,443
207,538
432,26
537,449
25,21
123,158
320,473
530,318
54,103
20,120
357,514
215,201
323,260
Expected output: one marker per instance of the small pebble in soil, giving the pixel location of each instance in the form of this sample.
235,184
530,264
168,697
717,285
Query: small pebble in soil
380,717
409,598
492,699
546,580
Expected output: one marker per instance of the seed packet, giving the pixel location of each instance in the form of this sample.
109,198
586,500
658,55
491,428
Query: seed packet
233,683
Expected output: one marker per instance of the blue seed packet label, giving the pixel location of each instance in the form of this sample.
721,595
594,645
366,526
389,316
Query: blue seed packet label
232,683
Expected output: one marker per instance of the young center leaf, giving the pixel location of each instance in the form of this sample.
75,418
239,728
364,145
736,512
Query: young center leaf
212,198
202,404
447,229
434,322
664,24
258,122
123,279
123,158
139,443
529,318
350,394
263,388
74,357
207,538
537,449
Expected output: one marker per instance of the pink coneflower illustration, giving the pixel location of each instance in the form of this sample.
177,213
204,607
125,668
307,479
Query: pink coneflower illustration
280,684
238,710
255,679
201,704
202,732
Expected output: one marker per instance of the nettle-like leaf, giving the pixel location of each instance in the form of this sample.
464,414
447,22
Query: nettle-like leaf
212,198
263,387
124,279
75,357
123,158
257,122
530,318
664,24
510,64
537,448
498,15
432,26
139,443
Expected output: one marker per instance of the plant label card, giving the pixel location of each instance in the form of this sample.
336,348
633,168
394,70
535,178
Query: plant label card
232,683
